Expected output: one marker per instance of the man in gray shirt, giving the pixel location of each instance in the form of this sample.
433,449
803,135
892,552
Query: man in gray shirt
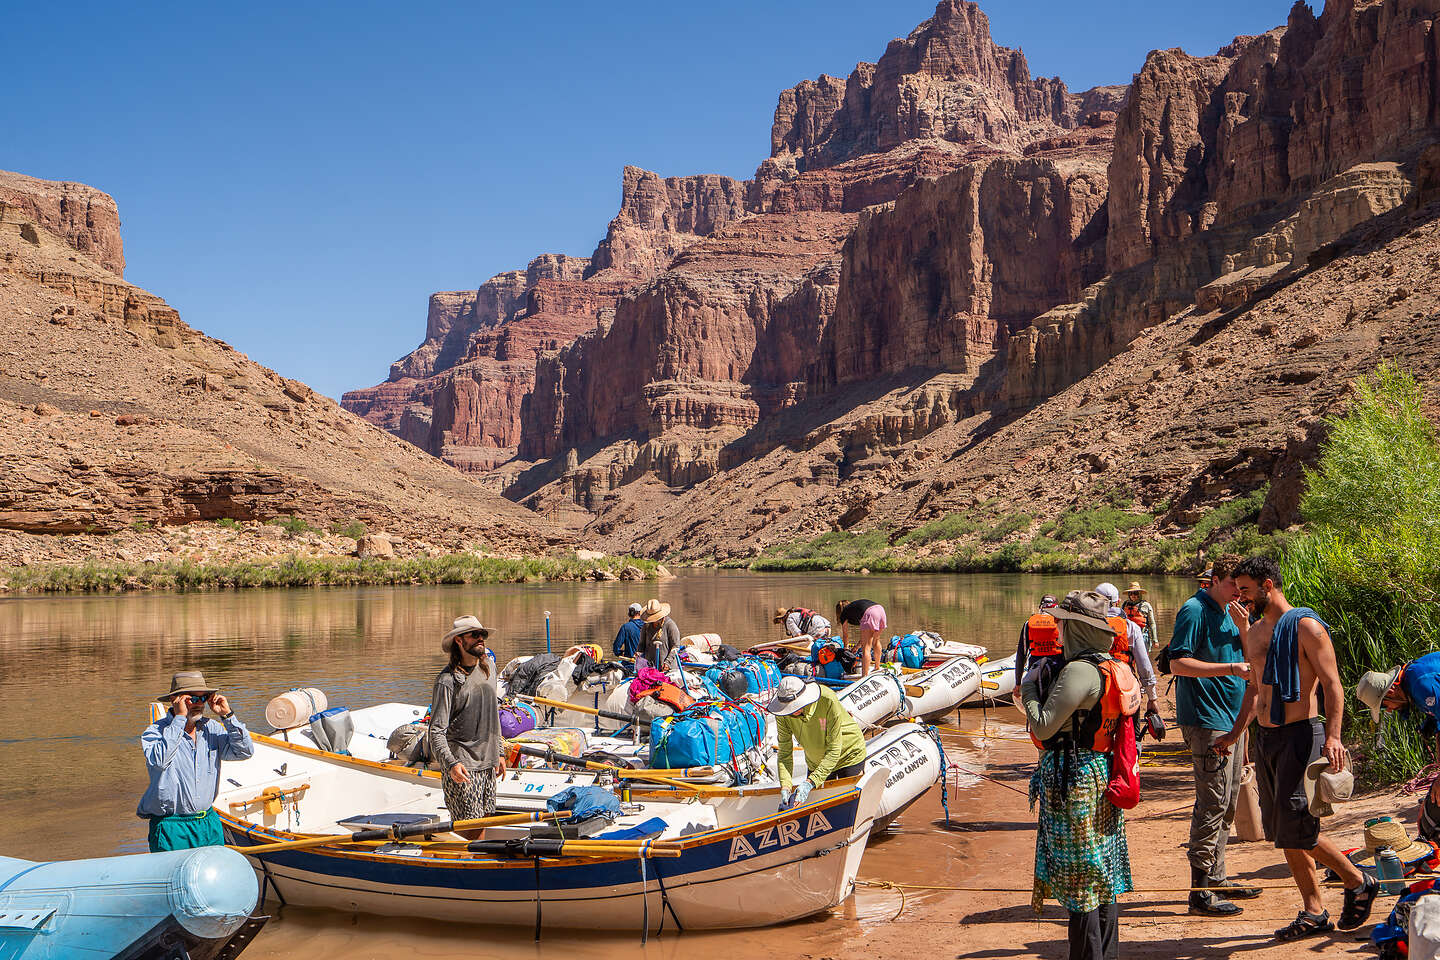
465,723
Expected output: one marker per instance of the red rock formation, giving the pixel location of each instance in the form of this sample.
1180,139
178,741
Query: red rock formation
659,217
82,216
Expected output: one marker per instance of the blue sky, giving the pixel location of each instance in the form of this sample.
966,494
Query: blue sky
297,178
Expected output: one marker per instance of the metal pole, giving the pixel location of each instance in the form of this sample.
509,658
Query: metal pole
547,631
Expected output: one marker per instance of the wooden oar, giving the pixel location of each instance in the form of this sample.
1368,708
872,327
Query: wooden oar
545,753
397,832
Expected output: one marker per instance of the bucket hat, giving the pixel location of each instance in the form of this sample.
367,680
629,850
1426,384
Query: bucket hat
1372,688
1086,606
655,611
1324,787
792,696
187,681
466,624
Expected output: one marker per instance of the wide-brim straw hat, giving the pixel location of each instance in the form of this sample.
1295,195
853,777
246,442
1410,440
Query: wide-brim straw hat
780,614
1373,687
1086,606
1324,787
188,681
1136,588
1392,834
463,625
654,611
792,696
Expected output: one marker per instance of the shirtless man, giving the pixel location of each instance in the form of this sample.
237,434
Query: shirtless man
1284,694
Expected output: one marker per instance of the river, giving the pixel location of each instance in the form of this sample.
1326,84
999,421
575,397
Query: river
78,673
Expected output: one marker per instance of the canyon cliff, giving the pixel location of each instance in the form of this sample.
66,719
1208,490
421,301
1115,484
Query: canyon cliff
943,260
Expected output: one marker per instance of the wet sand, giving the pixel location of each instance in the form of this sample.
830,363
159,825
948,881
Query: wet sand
989,842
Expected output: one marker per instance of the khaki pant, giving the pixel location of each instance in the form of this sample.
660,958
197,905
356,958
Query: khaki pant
1217,784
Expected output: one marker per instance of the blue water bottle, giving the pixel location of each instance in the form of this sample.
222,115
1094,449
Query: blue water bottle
1391,872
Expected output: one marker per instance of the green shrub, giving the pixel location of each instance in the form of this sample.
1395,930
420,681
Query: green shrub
229,523
355,529
1097,523
140,526
1006,526
949,527
292,525
1370,560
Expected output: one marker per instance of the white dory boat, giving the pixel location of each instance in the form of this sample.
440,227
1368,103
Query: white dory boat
741,863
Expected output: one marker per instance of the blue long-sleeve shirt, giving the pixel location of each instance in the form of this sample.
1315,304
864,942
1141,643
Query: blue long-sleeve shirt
627,641
185,772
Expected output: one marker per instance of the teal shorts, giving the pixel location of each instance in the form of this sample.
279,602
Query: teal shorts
186,831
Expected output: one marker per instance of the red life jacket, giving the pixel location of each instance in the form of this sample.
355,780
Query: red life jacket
1120,649
1100,727
1043,633
805,617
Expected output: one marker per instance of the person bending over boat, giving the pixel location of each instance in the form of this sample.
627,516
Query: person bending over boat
869,616
465,723
800,622
183,751
833,744
1414,690
1082,858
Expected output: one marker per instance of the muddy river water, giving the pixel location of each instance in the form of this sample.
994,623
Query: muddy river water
79,671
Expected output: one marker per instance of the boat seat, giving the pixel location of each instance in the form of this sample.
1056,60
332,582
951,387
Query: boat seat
382,821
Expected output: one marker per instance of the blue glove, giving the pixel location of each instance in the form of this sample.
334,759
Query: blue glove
801,792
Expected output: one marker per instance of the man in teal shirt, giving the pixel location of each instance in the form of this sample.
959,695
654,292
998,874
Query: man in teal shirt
833,744
1207,657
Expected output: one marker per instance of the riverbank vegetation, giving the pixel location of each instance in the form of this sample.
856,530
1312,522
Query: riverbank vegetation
1112,534
1369,559
302,571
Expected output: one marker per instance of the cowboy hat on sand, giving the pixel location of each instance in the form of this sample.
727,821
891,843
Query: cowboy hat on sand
1086,606
1388,833
655,611
1136,588
187,681
793,695
466,624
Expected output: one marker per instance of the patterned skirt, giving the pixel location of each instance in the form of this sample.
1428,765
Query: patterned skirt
470,801
1081,856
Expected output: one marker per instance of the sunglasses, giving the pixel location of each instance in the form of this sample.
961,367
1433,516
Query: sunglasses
196,700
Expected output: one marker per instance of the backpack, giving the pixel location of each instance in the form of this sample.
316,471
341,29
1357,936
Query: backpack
908,650
1100,727
825,654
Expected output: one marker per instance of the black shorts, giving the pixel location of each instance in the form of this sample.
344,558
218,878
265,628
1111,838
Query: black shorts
853,770
1285,752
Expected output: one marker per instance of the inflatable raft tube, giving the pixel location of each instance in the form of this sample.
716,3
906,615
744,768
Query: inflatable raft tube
193,903
874,698
914,762
945,687
997,681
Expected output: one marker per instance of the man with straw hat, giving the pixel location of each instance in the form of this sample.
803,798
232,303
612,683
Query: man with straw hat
833,744
183,751
1406,687
465,722
800,622
660,637
1137,608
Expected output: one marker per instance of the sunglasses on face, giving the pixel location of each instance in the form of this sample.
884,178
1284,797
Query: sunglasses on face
196,700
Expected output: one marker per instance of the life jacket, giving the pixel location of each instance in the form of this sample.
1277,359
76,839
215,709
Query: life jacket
672,696
806,616
1043,633
1096,729
1136,615
1120,648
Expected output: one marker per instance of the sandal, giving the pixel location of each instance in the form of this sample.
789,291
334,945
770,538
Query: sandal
1305,925
1358,903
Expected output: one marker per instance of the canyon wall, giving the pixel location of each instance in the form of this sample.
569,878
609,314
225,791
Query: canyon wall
81,216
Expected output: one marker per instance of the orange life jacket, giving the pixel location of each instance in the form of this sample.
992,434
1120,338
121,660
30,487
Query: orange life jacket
672,696
1136,616
1043,633
1119,698
1120,649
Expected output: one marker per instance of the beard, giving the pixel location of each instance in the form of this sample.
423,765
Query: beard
1259,605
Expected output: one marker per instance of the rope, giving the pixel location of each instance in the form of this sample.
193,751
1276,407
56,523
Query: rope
944,774
994,780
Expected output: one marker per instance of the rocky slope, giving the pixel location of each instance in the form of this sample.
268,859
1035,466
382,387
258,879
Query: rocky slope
120,417
947,266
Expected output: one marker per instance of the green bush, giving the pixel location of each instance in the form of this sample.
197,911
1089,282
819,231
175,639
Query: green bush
950,527
1370,560
1006,526
292,525
355,529
1097,523
229,523
140,526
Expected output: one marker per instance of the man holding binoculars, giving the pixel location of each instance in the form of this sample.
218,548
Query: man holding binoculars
183,750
